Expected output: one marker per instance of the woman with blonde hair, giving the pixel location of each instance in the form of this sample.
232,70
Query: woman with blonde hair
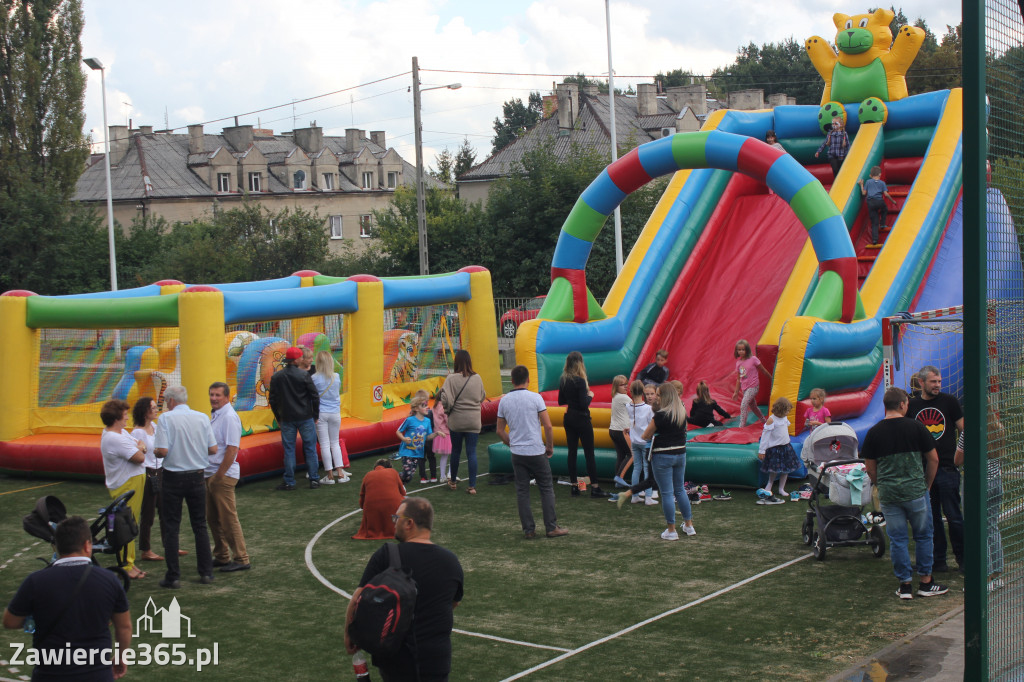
574,392
668,459
328,425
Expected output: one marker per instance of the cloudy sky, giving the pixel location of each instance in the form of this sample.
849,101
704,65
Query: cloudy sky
190,62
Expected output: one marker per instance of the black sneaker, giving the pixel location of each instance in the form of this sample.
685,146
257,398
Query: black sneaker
905,591
932,589
596,491
574,491
285,486
313,485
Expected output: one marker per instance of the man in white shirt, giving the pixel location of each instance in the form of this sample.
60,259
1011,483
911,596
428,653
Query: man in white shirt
222,475
185,441
524,412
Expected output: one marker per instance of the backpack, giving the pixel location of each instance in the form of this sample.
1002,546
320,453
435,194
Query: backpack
384,609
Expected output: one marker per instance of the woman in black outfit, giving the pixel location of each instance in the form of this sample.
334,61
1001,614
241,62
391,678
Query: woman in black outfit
574,392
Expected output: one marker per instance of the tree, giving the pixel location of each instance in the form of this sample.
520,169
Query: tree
782,67
42,89
517,119
465,158
674,78
939,68
443,165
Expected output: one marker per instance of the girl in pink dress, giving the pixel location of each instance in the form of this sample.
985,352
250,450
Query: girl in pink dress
747,380
817,414
442,443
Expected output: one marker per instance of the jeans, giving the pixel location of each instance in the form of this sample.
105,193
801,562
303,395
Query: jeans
328,427
945,496
536,467
188,487
641,467
918,514
669,471
307,429
471,439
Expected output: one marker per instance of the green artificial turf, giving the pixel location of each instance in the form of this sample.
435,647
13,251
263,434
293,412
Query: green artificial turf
806,621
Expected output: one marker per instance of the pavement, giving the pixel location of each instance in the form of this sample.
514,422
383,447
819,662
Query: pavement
934,653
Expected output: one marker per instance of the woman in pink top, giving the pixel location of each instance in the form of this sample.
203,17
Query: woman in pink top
747,380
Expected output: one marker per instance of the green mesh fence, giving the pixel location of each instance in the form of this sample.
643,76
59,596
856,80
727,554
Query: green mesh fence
79,367
420,342
1003,521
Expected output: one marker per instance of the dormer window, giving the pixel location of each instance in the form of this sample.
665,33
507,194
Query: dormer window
223,182
255,182
392,179
299,179
368,180
328,181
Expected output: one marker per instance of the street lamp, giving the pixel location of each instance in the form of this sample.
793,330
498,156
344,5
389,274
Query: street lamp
615,149
95,64
421,201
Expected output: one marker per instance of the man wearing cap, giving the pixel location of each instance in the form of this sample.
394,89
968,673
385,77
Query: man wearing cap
296,405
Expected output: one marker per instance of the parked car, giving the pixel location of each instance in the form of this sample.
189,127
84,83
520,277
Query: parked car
514,317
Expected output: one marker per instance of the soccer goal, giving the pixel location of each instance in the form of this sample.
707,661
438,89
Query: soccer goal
911,341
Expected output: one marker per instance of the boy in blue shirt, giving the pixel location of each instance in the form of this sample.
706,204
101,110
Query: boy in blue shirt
414,433
876,192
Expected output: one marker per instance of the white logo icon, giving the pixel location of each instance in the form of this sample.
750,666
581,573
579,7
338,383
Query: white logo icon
169,623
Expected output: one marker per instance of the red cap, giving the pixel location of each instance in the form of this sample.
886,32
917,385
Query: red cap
293,353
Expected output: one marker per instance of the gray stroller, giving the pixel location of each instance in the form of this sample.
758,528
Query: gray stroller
828,451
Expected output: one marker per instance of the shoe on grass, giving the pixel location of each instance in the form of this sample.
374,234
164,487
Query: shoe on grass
724,497
689,530
669,535
651,502
595,491
558,532
574,491
905,591
654,495
637,499
285,486
620,481
327,481
763,494
931,589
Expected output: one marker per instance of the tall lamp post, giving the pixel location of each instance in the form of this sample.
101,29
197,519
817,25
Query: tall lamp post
615,149
421,200
96,65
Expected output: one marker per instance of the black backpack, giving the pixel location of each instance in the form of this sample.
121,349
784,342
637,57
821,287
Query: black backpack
384,609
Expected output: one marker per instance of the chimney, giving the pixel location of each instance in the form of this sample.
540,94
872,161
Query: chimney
568,104
311,139
590,90
353,139
550,105
195,139
378,138
779,99
119,141
646,99
146,130
239,137
694,96
747,100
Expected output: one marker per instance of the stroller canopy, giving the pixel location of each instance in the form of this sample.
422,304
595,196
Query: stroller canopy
830,442
42,521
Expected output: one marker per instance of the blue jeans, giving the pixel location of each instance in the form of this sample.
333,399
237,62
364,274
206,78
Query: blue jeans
471,439
918,513
668,472
307,429
945,495
641,467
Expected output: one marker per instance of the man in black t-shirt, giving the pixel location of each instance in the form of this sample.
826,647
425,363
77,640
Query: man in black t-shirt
893,451
940,413
73,604
426,655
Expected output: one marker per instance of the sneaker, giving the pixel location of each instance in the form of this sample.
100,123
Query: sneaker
558,532
613,497
689,530
313,485
637,499
704,491
574,491
651,502
704,496
770,500
620,482
596,492
654,495
932,589
564,480
669,535
424,481
433,480
794,496
285,486
327,481
905,591
878,518
346,474
763,494
724,497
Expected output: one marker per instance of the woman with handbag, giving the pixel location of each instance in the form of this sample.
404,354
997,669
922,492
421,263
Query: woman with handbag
461,396
124,460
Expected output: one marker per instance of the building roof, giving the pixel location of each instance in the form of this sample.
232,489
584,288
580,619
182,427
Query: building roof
591,130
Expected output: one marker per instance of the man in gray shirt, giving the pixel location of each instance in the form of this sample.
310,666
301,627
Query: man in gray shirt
524,412
184,439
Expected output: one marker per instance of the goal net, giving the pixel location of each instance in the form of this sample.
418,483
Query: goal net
911,341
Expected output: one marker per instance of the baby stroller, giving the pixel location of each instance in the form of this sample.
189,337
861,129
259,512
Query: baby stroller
831,455
112,531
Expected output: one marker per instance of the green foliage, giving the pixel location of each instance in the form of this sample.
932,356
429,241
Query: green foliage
516,119
674,78
443,165
465,158
42,88
1005,89
782,67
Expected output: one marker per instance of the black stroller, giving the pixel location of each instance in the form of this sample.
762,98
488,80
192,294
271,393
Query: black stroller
112,531
828,449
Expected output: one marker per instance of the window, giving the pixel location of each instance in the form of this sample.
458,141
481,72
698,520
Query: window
328,181
364,225
392,179
299,179
255,182
368,180
335,225
223,182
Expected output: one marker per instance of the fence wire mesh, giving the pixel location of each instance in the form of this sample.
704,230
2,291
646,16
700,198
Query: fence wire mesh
1004,523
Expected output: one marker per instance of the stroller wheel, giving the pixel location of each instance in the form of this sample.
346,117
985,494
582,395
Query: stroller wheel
818,546
806,530
877,539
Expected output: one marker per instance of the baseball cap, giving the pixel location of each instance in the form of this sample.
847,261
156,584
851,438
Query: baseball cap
293,353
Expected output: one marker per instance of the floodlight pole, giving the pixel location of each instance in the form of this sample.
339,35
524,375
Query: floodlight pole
615,148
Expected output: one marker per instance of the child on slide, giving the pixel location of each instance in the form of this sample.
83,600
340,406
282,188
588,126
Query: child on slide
747,380
817,414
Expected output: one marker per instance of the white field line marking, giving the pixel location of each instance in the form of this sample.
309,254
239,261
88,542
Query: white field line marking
331,586
657,617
